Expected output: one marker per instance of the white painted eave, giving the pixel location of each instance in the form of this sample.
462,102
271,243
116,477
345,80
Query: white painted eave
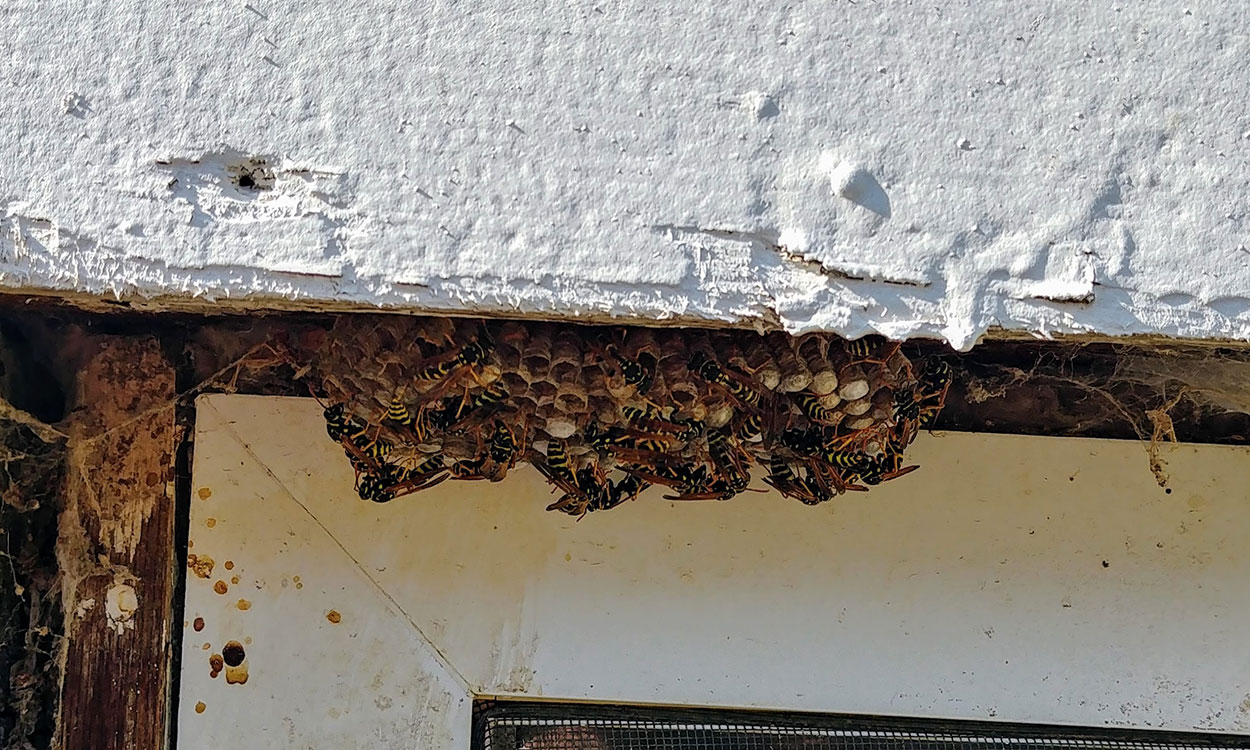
932,170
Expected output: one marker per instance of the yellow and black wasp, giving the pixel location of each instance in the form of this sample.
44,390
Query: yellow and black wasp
617,438
640,372
734,384
393,481
443,365
812,408
809,489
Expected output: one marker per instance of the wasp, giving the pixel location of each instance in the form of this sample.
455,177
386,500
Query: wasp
376,449
395,481
626,488
935,379
639,372
587,492
340,425
812,408
728,460
620,437
707,369
467,468
750,427
878,469
503,447
558,470
468,355
871,349
783,479
684,430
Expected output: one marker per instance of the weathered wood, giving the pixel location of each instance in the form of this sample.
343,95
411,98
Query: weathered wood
116,548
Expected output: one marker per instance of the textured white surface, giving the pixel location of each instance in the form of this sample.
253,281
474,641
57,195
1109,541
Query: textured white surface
942,167
969,589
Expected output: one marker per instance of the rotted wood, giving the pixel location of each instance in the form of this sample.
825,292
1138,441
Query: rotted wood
117,548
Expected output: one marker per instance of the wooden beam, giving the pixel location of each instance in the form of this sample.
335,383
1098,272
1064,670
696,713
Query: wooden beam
116,548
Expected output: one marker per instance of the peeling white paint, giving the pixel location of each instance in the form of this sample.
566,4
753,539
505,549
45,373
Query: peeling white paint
120,604
1044,168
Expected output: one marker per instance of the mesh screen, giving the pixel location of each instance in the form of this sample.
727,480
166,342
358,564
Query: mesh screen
508,726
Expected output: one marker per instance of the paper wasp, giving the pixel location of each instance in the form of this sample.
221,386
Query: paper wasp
736,385
444,365
395,481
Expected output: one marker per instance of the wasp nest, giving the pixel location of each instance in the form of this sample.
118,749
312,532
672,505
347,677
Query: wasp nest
605,413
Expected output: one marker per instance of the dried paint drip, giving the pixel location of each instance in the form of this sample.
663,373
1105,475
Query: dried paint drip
200,565
605,413
235,658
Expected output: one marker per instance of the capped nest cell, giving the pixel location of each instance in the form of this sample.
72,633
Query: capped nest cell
604,413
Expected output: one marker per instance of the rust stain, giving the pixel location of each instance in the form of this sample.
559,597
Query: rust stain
207,646
244,605
299,585
199,624
236,675
210,523
295,578
201,565
152,479
199,707
220,587
190,543
215,665
229,565
248,640
205,493
234,580
334,616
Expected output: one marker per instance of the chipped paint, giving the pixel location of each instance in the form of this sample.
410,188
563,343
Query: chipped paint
937,171
120,604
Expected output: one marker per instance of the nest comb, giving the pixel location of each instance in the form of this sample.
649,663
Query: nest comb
604,413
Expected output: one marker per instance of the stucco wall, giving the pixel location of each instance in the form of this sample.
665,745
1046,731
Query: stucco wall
931,169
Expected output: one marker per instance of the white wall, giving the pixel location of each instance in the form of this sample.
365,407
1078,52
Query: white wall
926,168
1054,583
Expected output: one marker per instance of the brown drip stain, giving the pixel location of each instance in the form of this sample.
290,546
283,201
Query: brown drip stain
200,565
334,616
244,605
234,580
236,663
190,543
205,493
229,564
233,653
198,624
215,665
210,523
207,646
220,587
199,707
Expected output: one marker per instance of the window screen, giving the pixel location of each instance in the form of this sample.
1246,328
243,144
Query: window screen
506,725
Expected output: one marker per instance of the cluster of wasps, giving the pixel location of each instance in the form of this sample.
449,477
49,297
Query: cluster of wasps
605,413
